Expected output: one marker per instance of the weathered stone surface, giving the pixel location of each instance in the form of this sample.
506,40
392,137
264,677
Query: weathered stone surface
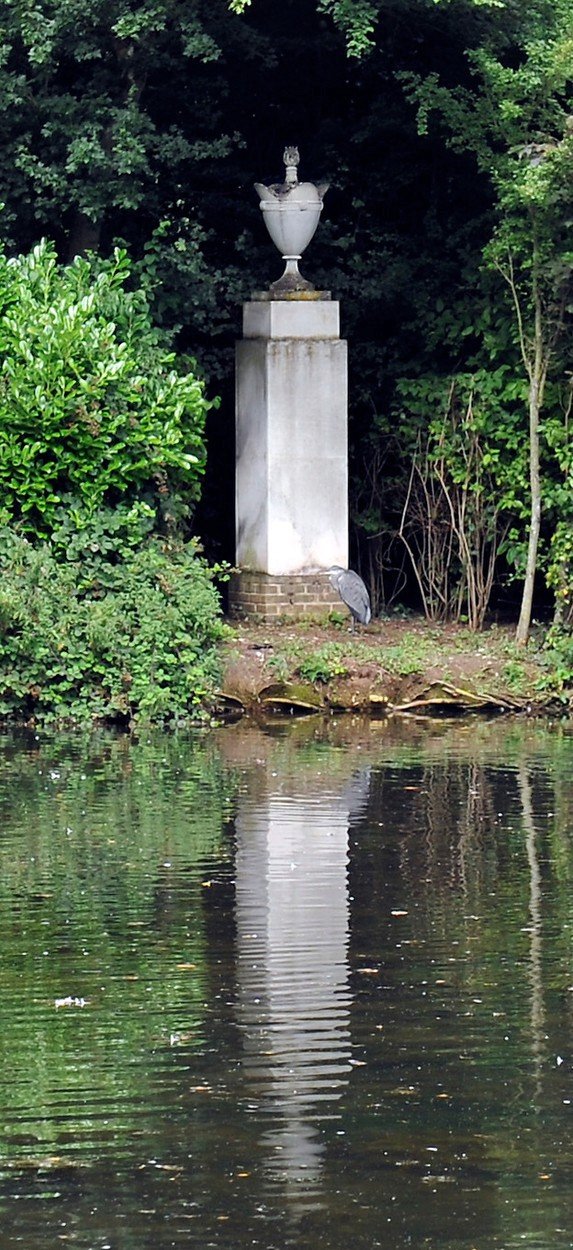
291,441
291,319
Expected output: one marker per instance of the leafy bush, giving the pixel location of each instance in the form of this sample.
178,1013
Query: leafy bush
323,664
130,633
558,662
92,404
96,542
559,638
468,465
560,570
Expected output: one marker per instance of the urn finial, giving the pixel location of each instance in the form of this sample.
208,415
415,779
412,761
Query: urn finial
291,160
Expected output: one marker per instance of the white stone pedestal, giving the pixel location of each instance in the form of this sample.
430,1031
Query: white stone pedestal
291,471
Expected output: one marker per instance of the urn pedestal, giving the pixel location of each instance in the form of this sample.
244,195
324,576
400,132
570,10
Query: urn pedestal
291,456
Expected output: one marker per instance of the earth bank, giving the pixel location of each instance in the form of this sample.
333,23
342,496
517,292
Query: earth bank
397,663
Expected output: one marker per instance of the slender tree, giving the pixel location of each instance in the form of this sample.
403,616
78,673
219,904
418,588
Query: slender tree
516,119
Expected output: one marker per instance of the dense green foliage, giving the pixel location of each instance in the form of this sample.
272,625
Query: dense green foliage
103,622
104,612
91,405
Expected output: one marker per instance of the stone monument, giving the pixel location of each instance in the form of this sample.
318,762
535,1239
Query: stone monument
291,425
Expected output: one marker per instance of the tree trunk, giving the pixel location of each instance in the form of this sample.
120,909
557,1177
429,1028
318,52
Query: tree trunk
537,375
524,623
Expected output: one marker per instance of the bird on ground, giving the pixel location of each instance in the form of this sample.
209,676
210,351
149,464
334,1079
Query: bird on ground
353,593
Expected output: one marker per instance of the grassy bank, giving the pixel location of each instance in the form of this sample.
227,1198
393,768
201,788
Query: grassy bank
395,663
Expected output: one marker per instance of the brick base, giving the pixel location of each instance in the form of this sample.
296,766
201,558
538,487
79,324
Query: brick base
293,595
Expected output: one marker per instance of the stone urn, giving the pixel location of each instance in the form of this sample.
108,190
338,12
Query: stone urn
291,211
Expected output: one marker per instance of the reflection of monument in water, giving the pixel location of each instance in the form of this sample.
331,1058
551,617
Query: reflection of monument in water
292,936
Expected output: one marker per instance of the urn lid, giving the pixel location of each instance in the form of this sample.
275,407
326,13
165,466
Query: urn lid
291,191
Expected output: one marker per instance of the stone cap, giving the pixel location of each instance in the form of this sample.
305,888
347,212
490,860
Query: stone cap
291,319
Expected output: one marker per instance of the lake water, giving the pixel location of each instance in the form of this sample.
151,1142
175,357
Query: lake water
303,986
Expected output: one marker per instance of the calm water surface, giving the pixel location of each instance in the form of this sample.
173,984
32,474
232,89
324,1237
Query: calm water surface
309,986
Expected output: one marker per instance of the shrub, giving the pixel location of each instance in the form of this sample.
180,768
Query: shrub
560,572
558,662
92,404
324,664
129,634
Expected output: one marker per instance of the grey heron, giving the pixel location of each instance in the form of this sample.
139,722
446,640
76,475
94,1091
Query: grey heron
353,593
